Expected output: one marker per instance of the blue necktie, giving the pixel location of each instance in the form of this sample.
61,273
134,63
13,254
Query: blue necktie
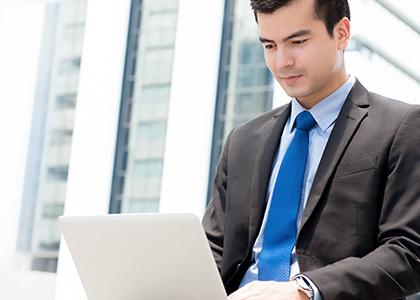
280,229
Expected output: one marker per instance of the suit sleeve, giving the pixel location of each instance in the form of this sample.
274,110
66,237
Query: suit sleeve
214,217
392,270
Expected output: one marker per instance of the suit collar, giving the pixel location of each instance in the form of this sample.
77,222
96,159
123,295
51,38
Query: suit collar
354,111
359,95
326,111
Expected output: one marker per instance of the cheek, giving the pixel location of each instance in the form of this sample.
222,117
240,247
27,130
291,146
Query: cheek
270,61
306,57
320,60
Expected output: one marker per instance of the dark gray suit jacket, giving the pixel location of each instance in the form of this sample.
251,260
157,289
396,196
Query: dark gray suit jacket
360,233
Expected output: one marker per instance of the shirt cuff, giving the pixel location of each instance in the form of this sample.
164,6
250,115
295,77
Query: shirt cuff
317,294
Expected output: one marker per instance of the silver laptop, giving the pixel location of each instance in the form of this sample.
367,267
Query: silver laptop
143,256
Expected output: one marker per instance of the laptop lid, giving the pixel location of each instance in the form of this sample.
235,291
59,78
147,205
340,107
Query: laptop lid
143,256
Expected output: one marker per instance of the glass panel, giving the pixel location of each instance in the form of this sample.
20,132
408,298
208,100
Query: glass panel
146,91
51,133
245,87
385,57
66,100
249,82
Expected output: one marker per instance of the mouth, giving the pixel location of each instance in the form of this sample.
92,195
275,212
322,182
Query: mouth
290,80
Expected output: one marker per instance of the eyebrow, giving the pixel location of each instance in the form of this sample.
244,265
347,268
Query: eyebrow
296,34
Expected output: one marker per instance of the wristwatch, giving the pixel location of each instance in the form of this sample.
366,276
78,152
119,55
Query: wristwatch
304,287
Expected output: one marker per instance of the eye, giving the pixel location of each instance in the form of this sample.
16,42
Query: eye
268,46
299,42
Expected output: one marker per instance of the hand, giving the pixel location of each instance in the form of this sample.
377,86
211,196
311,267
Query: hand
269,290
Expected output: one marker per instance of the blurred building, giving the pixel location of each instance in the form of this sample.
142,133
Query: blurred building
144,106
51,133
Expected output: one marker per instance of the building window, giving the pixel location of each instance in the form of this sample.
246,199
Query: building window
61,137
58,173
245,86
52,210
144,107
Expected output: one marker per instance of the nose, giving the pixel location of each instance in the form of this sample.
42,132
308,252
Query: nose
284,59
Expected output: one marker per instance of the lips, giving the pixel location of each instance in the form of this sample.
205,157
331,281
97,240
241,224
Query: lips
289,80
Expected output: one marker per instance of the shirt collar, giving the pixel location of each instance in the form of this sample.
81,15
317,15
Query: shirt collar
326,111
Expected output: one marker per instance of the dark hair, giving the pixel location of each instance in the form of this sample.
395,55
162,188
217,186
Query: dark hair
328,11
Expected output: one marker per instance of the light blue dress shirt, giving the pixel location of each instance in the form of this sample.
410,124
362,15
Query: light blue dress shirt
325,114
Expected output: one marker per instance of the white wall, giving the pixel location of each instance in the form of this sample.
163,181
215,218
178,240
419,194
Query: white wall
191,107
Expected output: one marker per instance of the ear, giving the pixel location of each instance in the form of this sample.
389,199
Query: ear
342,33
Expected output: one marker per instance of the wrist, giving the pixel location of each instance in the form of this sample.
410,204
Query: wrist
302,295
304,289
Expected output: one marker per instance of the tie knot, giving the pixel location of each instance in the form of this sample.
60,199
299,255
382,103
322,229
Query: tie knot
305,121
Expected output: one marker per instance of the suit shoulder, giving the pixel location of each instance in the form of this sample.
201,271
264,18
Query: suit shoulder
261,120
391,111
390,106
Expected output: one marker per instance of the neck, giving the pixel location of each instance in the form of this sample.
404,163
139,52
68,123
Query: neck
335,83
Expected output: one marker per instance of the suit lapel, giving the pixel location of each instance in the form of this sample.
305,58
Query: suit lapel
354,110
268,143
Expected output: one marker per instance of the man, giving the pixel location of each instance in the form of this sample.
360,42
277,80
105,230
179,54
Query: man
319,198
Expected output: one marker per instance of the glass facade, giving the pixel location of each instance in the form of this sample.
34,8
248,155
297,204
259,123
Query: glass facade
51,133
385,57
382,72
245,87
144,109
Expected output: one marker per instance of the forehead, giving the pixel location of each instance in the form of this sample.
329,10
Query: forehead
298,15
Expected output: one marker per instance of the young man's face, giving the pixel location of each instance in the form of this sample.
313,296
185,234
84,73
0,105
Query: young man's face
301,55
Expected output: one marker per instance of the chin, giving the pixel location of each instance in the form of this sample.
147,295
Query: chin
294,93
